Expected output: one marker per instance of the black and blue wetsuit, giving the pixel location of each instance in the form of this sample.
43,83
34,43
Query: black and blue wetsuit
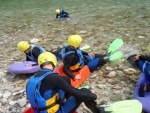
36,51
73,58
62,14
74,97
143,64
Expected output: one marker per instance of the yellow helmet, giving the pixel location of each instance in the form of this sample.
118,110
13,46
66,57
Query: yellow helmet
23,46
47,57
74,40
58,11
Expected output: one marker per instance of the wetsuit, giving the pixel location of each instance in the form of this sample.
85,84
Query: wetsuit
36,52
143,64
62,14
71,59
74,97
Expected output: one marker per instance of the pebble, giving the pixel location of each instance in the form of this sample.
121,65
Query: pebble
22,102
129,71
3,80
2,110
112,74
13,110
12,103
34,40
141,37
6,95
108,68
1,95
4,101
82,32
18,92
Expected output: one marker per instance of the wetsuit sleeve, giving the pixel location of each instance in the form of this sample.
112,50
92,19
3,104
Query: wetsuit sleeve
57,53
58,82
36,52
57,16
66,14
27,58
68,62
84,53
145,57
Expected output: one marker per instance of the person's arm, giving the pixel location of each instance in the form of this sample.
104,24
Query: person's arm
84,53
69,60
36,52
66,14
145,57
57,15
67,71
59,83
27,58
57,53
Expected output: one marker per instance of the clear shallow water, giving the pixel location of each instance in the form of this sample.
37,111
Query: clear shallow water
103,21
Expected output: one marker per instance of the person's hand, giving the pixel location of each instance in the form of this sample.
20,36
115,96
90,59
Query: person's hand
137,57
91,55
77,77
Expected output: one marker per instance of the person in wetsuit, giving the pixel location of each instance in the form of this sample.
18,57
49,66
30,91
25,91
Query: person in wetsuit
48,92
74,59
142,62
61,14
33,51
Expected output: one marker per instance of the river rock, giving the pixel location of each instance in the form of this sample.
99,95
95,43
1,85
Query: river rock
19,92
4,80
108,68
129,71
141,37
1,95
2,74
13,110
12,103
17,89
2,110
4,101
6,95
22,102
82,32
34,40
112,74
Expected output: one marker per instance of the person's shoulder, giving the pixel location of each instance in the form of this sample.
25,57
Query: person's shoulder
53,76
36,48
71,57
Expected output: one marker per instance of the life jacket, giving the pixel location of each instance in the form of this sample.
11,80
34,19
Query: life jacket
31,57
78,52
42,104
63,14
145,66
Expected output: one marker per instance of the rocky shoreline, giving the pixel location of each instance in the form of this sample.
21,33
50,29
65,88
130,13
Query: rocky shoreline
99,24
113,82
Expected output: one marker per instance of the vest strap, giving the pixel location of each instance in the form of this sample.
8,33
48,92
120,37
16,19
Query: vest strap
45,108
